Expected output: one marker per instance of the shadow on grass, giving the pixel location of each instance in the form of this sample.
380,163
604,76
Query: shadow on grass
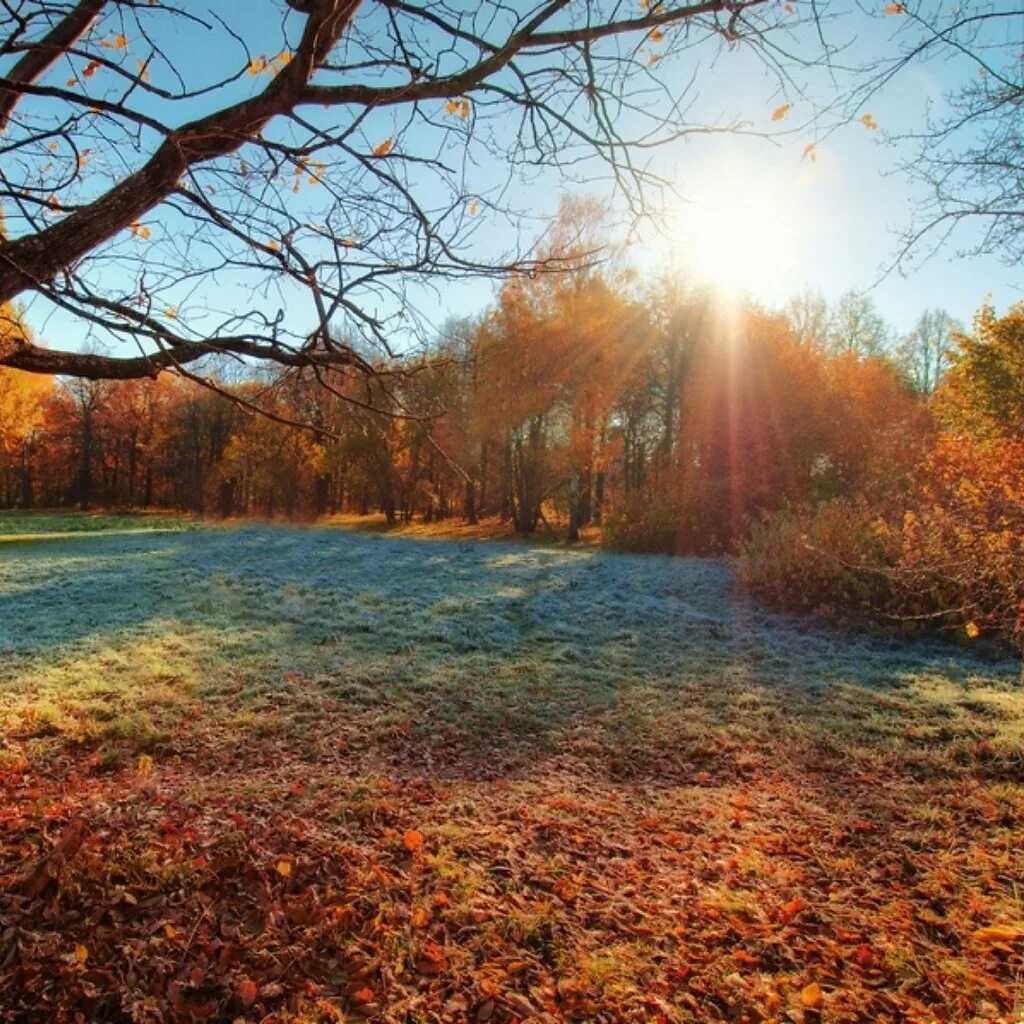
476,658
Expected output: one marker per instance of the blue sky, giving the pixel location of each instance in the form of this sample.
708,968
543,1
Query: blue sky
830,225
839,217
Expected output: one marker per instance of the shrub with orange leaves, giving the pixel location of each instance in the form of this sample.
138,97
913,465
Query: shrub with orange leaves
946,552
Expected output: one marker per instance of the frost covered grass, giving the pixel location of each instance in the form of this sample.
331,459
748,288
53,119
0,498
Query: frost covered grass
429,780
491,653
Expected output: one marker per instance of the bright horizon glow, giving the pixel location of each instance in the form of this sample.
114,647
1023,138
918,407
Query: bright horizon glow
739,237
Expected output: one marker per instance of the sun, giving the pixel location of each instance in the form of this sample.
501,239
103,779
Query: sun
740,237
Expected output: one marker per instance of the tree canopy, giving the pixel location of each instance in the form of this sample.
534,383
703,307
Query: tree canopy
175,183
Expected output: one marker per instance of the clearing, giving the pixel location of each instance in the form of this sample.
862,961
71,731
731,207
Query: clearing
316,775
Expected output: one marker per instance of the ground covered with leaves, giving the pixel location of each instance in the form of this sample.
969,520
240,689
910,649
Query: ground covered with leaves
272,774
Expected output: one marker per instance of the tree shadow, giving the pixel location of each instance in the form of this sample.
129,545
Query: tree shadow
486,659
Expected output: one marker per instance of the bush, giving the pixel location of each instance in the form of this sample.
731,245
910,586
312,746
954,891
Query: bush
643,523
947,553
681,517
835,557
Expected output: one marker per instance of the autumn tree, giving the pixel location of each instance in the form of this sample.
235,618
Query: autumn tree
983,392
21,400
746,441
310,163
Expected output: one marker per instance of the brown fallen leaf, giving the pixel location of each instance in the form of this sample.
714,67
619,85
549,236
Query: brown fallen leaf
48,869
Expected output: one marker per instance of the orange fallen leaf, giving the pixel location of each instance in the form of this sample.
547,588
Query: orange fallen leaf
564,890
431,960
284,868
364,996
1000,933
412,840
789,910
811,996
247,991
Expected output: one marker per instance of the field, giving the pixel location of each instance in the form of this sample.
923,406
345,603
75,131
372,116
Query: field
283,774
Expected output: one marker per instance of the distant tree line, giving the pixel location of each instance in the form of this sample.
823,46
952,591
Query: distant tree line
654,410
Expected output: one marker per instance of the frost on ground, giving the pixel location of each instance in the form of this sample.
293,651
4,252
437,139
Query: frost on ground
640,796
504,638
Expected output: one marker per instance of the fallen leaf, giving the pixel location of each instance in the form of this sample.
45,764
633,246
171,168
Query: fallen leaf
811,996
1000,933
789,910
247,991
412,840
